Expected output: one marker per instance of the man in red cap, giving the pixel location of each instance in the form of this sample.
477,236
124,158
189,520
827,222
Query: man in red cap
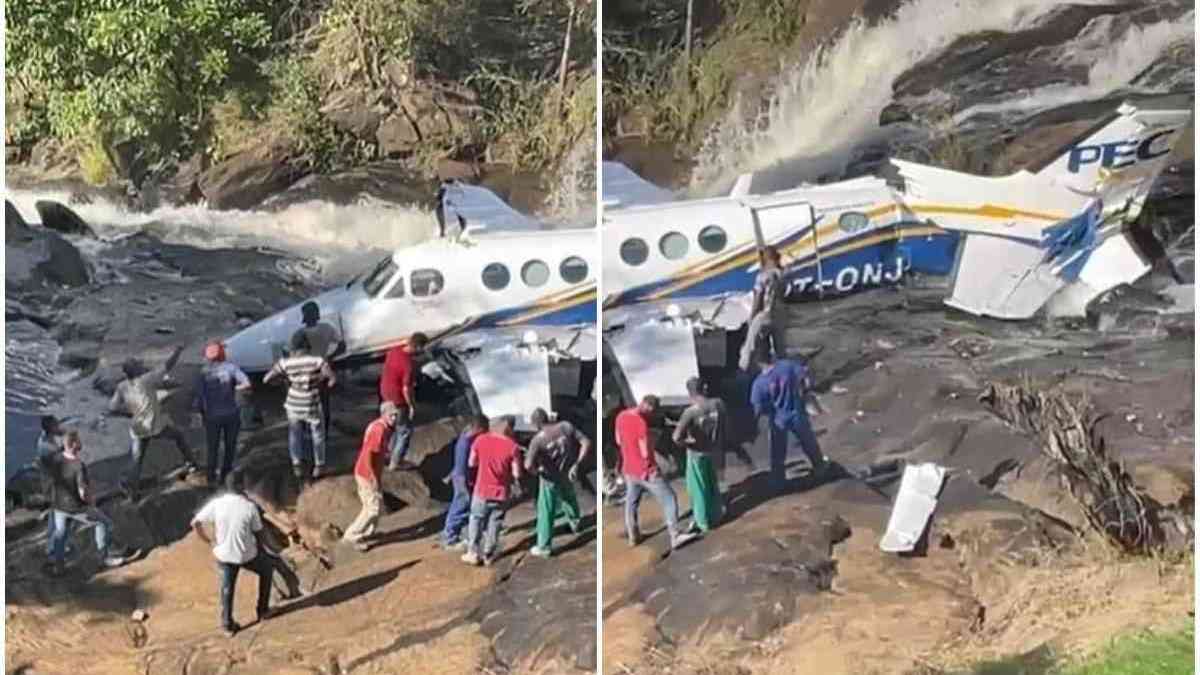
216,404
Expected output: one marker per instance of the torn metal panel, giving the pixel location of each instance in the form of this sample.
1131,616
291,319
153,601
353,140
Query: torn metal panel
915,503
656,357
511,381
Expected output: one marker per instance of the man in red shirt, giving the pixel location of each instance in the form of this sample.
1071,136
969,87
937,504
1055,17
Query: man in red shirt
397,385
642,474
367,472
498,459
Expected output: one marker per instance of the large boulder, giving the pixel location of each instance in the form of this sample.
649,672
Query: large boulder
355,110
16,230
60,218
430,114
248,178
45,259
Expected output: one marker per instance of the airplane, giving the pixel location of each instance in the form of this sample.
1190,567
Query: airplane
677,273
509,305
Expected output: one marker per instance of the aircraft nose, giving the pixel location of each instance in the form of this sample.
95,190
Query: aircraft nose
251,349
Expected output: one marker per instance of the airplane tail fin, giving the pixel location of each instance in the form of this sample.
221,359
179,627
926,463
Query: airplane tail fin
1120,157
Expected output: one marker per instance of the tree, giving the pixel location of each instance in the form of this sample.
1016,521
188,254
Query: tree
130,70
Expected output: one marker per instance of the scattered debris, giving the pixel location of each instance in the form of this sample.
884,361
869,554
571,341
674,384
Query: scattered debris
885,344
1112,504
914,505
839,390
139,615
164,330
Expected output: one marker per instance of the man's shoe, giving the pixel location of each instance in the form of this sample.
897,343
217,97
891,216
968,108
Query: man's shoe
634,539
470,558
540,552
231,629
114,561
683,538
576,527
362,546
317,472
266,614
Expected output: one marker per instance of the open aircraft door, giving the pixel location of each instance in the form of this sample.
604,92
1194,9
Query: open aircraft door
790,226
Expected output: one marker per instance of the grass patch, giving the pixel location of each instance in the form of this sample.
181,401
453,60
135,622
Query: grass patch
1144,653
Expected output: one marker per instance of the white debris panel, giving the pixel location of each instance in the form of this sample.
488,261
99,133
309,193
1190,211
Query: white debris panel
914,506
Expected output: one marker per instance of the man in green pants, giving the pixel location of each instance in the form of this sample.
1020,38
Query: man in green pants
556,452
701,430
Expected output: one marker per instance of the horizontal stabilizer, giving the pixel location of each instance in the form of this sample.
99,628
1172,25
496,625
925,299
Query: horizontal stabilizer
471,206
620,186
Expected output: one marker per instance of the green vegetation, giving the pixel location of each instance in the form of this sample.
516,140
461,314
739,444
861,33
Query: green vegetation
652,85
158,80
1146,653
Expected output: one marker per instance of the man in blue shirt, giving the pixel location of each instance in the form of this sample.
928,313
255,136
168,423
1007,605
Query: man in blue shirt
216,403
779,392
460,506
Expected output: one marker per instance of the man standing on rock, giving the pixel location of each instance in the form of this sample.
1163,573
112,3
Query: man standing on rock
765,306
701,430
460,506
305,373
49,442
368,472
556,452
497,461
325,341
779,393
641,472
216,403
237,527
72,501
398,385
138,396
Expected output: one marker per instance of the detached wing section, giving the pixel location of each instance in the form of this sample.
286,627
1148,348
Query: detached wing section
620,186
471,206
513,371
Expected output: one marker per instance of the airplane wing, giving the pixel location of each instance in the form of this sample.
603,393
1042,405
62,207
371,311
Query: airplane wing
658,346
620,186
513,371
471,206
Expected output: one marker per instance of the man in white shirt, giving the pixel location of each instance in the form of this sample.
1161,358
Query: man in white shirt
237,525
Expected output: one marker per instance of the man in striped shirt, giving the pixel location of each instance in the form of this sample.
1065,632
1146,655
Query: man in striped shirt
304,372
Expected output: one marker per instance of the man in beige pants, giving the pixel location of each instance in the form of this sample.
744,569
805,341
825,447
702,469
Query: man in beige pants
367,472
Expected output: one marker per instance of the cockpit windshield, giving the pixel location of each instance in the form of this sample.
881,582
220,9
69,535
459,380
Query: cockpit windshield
378,278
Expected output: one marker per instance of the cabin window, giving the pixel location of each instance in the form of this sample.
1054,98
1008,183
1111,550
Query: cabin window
535,273
634,251
397,289
673,245
853,221
379,276
426,282
712,239
573,269
496,276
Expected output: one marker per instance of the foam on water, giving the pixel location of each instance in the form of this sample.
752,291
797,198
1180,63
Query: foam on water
829,103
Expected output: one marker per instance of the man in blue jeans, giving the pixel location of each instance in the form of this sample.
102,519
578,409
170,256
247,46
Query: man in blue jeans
236,544
72,501
779,392
497,463
305,373
460,507
641,472
216,404
398,384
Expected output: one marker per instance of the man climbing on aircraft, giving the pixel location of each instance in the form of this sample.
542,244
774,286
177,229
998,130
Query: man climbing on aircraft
642,474
397,384
765,308
556,453
325,341
701,430
779,392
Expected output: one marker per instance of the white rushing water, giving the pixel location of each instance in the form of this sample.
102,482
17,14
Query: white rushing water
314,228
829,102
1114,52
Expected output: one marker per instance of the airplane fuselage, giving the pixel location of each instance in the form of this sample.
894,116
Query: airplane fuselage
445,287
